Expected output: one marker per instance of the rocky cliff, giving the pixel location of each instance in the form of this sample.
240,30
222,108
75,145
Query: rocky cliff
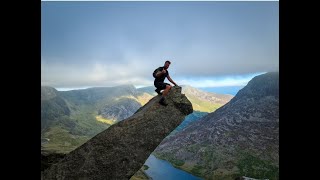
120,151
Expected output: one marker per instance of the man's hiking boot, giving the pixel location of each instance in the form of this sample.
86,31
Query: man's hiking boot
158,91
162,101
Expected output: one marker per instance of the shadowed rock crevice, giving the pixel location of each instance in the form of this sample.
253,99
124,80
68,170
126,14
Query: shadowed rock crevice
120,151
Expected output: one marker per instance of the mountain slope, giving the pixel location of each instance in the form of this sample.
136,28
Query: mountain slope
240,138
191,118
70,118
53,107
205,101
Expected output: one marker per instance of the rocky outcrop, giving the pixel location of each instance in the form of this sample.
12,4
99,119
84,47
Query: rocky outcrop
121,150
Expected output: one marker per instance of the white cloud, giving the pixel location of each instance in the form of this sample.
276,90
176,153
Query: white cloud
62,75
134,69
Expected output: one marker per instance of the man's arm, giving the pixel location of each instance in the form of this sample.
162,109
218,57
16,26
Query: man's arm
169,78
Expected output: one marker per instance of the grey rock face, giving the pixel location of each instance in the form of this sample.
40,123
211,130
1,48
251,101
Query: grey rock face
248,123
120,151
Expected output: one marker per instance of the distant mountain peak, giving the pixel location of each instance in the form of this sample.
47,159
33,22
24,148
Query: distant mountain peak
48,92
263,85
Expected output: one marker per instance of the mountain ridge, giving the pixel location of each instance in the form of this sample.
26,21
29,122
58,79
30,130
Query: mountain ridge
84,113
240,138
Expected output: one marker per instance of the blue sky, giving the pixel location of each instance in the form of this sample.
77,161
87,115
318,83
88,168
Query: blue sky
210,44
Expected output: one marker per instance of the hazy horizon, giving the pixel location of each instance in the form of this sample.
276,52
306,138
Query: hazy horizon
232,90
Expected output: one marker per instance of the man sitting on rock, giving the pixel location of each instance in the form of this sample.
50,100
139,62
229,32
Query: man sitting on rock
160,74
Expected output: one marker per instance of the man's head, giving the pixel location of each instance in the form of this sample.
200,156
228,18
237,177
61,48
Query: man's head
167,64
